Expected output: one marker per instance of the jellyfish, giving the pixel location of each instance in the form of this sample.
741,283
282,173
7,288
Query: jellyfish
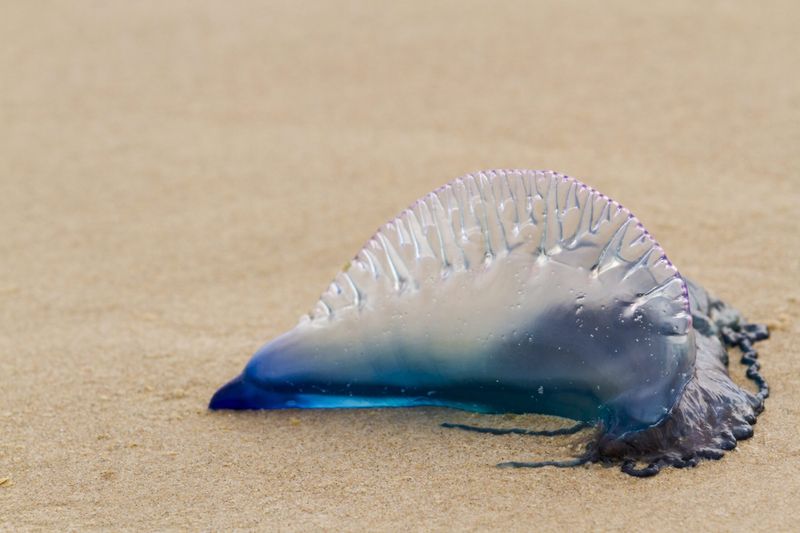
521,291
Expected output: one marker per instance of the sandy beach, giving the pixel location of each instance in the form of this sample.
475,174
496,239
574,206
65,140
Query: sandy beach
180,180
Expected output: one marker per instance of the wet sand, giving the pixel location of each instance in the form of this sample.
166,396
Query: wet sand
179,181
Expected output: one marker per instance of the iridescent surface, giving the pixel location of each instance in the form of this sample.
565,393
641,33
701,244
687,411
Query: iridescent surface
508,291
521,291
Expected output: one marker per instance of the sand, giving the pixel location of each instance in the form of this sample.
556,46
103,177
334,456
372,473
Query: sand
180,180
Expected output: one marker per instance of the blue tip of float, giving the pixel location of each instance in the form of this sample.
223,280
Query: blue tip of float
240,393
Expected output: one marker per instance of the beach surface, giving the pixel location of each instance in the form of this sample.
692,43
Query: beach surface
179,181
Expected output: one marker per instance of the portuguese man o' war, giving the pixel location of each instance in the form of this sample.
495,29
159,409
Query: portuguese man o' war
518,291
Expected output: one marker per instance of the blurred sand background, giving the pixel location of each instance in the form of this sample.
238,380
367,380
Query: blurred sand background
180,180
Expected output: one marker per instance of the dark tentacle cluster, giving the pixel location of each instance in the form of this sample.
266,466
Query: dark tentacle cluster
571,430
744,339
712,414
734,425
